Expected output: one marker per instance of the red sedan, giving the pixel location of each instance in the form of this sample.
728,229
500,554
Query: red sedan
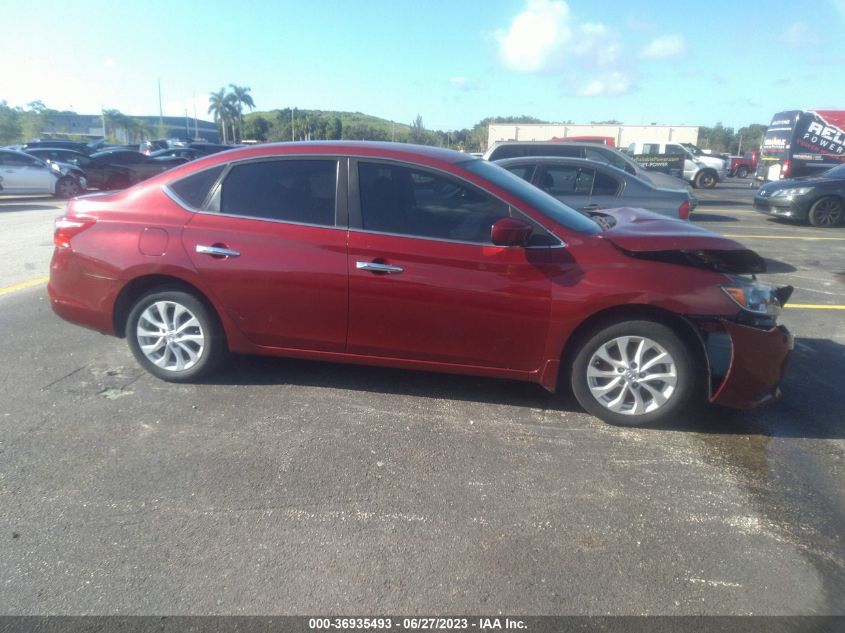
421,258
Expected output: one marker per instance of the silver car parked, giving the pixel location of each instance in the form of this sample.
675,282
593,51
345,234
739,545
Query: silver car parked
589,186
22,174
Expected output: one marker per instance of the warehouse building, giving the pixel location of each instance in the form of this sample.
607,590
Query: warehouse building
622,135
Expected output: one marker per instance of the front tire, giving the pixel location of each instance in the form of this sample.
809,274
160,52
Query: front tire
827,212
742,172
634,373
706,179
175,336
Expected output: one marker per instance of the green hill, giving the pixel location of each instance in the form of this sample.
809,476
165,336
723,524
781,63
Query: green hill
275,125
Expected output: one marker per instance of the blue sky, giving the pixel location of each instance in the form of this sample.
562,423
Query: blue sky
452,62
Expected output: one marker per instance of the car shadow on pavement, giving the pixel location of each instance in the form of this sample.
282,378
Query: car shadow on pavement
266,370
712,217
777,266
6,208
811,407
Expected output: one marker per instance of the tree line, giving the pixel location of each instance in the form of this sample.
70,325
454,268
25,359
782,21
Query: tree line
228,106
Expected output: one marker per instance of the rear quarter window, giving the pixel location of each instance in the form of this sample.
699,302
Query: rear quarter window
193,190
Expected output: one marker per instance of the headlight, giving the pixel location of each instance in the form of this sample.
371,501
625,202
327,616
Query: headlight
791,193
754,296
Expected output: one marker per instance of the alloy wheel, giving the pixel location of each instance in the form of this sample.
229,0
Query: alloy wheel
632,375
827,212
170,336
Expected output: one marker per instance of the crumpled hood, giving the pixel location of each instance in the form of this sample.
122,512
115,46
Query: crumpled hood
646,235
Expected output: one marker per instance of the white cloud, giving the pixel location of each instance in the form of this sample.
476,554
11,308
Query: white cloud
545,39
597,44
464,84
665,47
798,35
612,84
536,37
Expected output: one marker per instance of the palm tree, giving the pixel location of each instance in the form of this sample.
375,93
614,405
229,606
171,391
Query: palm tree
232,113
240,98
219,105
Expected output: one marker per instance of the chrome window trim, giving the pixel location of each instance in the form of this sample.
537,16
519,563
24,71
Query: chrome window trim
448,241
273,220
227,168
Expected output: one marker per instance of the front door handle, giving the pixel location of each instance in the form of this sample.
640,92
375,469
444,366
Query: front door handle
217,250
375,267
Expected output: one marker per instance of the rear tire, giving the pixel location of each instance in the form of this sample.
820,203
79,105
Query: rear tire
175,336
117,182
635,373
827,212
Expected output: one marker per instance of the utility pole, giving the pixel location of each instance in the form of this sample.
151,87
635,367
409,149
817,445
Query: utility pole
291,125
196,121
160,111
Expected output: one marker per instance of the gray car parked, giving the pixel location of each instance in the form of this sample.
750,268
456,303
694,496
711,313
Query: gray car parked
591,151
589,186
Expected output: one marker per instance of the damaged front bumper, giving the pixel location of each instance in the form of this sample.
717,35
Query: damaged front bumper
746,362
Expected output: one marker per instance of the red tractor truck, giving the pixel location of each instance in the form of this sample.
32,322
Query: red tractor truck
743,165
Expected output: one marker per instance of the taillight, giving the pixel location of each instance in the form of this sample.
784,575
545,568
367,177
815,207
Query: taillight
784,170
66,228
683,210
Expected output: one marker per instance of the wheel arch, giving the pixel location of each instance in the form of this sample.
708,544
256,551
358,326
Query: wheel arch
140,286
685,330
705,171
836,196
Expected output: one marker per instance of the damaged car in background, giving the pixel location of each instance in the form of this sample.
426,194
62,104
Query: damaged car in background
419,258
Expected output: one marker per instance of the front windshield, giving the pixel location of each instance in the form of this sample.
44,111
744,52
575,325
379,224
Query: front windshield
549,206
836,172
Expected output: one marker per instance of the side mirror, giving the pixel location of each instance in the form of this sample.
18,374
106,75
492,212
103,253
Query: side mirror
510,232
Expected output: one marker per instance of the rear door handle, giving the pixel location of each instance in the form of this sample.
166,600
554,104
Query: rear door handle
217,251
375,267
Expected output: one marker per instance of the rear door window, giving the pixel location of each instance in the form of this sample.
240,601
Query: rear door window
301,191
605,185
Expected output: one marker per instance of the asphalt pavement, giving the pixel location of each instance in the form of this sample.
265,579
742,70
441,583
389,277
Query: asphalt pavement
294,487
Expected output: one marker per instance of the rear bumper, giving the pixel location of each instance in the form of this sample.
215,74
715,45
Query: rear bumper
758,361
82,296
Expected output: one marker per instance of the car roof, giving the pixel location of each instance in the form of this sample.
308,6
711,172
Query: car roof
351,148
64,150
586,162
562,141
436,157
